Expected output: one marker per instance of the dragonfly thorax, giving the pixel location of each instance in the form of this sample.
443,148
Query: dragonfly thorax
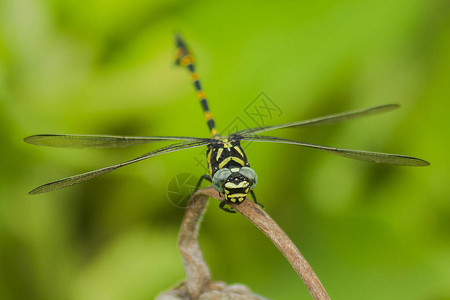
225,153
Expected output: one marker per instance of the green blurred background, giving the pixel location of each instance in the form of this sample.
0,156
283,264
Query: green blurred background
106,67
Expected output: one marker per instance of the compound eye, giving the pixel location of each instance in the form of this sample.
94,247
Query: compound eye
219,179
250,174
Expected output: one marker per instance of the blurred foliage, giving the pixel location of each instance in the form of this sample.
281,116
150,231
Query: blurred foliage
106,67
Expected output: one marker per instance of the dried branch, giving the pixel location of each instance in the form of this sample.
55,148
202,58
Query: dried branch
271,229
197,272
198,278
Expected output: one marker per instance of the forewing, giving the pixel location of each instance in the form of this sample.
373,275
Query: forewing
99,141
323,120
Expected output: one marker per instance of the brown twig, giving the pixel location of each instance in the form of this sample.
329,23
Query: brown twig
198,277
197,272
274,232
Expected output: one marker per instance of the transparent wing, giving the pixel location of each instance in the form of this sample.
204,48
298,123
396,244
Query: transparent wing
99,141
69,181
323,120
384,158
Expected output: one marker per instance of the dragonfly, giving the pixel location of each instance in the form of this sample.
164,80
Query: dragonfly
228,168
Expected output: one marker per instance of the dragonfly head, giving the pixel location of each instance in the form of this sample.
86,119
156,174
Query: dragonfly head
235,183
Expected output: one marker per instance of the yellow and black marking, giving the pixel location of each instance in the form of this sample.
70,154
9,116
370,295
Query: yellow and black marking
222,153
228,153
229,170
225,153
184,59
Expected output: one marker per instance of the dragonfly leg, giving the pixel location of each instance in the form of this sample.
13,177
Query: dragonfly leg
204,177
222,207
254,199
222,203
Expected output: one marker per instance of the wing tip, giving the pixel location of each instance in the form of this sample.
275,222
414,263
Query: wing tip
390,106
42,189
412,162
28,139
422,163
36,139
35,191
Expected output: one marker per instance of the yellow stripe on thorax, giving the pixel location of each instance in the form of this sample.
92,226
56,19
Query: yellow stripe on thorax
228,159
219,153
239,150
208,161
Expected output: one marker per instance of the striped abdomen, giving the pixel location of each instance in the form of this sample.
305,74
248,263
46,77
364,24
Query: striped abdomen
184,58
